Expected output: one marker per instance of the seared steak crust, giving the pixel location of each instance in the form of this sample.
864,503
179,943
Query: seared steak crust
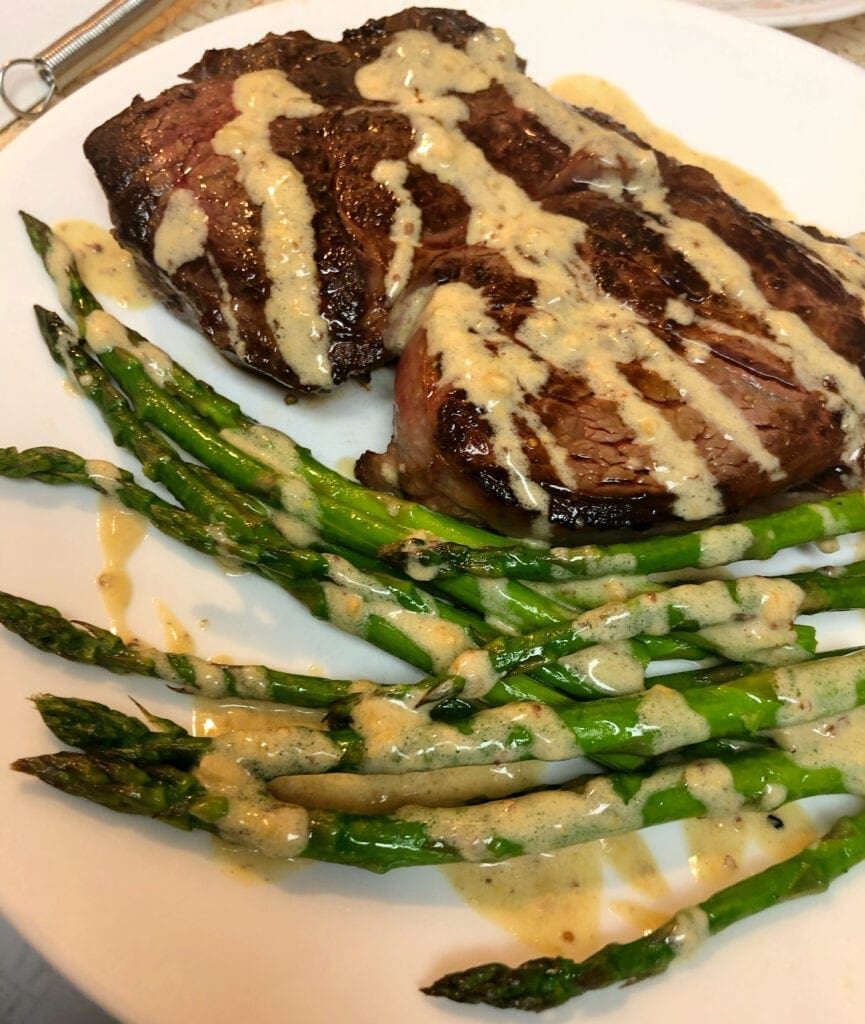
711,370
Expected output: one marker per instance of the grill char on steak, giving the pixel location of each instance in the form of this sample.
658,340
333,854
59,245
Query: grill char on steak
579,448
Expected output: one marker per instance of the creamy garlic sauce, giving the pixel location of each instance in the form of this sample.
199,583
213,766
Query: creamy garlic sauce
667,711
58,259
104,474
574,325
630,856
690,930
254,818
120,532
639,917
847,261
592,593
834,742
611,668
182,233
106,268
756,639
440,640
215,717
775,601
288,240
553,902
400,739
497,603
279,453
104,331
825,687
406,226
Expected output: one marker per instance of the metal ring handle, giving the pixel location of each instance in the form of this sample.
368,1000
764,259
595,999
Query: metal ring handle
45,73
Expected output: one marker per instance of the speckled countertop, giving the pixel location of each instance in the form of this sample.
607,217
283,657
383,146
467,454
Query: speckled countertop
30,991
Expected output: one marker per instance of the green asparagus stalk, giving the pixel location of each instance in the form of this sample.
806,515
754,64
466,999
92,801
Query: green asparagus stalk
757,538
46,629
549,981
589,808
383,736
83,642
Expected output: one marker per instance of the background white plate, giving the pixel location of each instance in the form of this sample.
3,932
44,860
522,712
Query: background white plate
787,13
148,921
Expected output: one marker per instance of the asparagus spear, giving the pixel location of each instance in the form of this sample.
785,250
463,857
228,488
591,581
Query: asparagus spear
83,642
383,736
589,808
549,981
45,628
757,538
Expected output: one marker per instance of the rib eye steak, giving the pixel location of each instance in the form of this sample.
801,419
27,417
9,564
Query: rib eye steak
591,335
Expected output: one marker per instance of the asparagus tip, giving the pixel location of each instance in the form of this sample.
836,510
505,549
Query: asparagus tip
38,232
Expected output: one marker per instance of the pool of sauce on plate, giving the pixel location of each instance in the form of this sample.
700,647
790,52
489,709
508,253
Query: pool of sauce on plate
178,639
589,91
120,532
557,902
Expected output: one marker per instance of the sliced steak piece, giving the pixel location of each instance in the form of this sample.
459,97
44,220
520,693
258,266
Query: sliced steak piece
591,335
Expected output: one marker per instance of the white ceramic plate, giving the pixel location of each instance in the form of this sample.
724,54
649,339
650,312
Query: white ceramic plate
787,13
149,921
